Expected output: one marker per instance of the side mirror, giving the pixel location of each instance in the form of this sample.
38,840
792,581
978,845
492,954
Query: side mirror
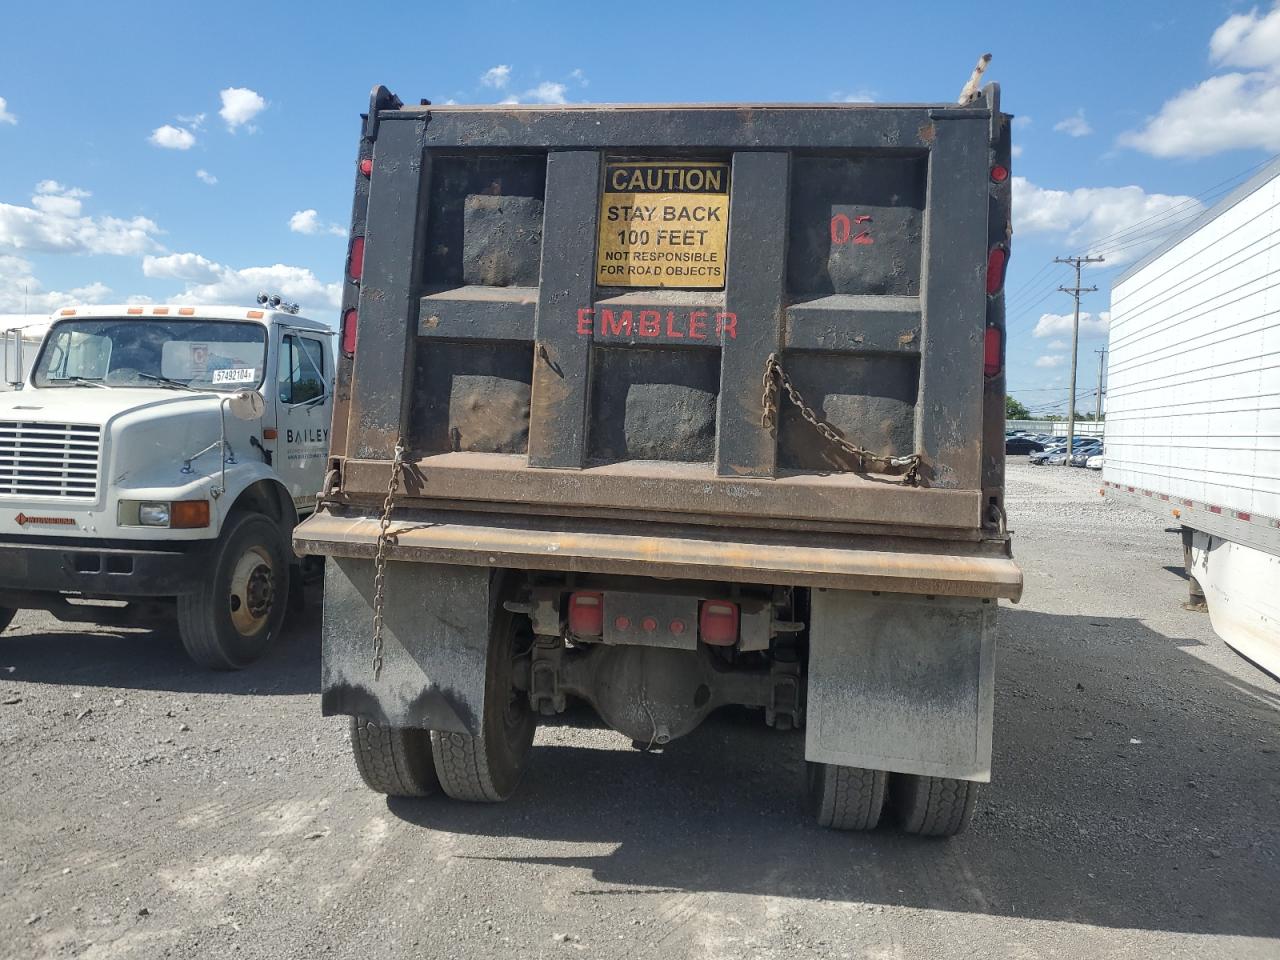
246,405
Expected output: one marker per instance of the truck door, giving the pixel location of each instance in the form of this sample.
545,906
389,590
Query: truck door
302,424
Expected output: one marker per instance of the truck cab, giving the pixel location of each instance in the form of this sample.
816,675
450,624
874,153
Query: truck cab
165,453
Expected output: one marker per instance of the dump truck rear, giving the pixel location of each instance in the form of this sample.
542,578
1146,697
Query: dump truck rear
667,408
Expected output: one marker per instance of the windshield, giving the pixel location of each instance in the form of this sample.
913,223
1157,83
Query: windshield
118,352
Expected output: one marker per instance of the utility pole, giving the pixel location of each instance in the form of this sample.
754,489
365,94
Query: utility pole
1102,366
1075,343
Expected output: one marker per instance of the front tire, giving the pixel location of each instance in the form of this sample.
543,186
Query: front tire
231,619
846,798
394,760
932,806
488,768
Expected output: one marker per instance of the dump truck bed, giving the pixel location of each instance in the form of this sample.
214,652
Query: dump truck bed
701,324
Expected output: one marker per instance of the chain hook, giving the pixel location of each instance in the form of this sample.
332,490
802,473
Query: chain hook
774,376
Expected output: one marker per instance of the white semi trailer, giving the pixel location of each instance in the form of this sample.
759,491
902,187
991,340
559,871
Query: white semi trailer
1193,407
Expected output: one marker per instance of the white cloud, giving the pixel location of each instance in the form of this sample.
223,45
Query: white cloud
22,293
54,224
1055,360
1227,112
204,176
1248,40
1059,324
1016,150
1057,345
578,75
1022,121
546,92
1075,125
1084,217
5,115
172,138
239,106
1235,110
189,267
497,77
242,286
308,222
194,121
861,95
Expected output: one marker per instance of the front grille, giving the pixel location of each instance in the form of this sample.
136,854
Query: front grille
49,459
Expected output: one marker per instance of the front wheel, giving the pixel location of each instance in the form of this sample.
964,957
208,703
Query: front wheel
231,618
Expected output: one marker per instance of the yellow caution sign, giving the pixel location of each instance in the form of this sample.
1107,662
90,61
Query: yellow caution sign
663,223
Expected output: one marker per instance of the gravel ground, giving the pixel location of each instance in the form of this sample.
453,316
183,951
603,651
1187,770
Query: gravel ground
152,809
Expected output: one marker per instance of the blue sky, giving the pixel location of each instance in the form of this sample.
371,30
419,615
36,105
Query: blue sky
165,150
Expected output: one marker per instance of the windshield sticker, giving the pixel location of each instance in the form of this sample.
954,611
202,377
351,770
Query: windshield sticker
236,375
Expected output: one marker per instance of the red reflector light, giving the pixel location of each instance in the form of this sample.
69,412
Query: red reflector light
350,320
991,360
622,624
999,173
718,623
355,259
366,166
586,614
997,260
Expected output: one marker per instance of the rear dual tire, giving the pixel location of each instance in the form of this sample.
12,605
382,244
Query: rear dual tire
854,798
479,769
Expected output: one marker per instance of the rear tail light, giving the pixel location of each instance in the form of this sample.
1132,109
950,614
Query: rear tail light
350,321
999,173
997,260
718,623
992,359
355,259
366,166
586,614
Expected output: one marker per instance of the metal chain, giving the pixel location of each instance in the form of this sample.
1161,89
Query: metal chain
774,376
380,557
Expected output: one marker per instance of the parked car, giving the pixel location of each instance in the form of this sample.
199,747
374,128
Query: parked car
1040,457
1084,452
1094,462
1022,444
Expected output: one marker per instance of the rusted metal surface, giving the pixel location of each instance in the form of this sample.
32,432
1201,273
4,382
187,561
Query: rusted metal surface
523,384
672,488
917,567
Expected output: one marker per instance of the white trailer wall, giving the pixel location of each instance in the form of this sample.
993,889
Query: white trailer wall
1193,409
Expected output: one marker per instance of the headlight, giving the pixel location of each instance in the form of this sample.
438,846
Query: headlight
153,514
178,515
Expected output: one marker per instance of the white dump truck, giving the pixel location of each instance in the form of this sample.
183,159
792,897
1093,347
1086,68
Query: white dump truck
164,454
1193,426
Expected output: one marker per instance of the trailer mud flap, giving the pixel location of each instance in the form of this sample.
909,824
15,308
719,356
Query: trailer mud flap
435,636
901,683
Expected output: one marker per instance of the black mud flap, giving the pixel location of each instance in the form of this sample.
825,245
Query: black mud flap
901,682
435,640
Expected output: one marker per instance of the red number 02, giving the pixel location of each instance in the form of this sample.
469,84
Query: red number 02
841,228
